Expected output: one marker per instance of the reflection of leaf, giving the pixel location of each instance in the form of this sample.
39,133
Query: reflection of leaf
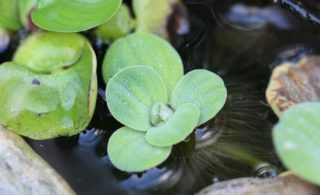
131,94
297,140
39,98
9,14
73,15
144,49
202,88
130,151
176,128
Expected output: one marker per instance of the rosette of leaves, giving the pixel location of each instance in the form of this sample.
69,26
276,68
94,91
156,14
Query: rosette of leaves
50,87
147,92
73,15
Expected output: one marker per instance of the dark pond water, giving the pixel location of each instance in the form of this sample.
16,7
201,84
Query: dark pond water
239,42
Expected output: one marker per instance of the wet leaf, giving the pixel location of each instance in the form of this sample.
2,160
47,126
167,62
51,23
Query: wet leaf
176,128
129,151
118,26
144,49
40,98
9,14
202,88
73,16
131,94
294,83
297,140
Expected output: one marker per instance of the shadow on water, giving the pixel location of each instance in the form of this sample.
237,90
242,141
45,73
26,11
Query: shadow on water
240,42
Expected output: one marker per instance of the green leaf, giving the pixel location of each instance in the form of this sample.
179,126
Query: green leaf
131,94
202,88
51,56
129,151
43,105
297,140
9,14
73,15
176,128
144,49
152,16
118,26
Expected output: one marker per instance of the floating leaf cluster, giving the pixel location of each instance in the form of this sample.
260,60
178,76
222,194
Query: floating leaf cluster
147,92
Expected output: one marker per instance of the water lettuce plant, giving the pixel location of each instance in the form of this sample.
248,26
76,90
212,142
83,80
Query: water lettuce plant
147,92
49,88
297,140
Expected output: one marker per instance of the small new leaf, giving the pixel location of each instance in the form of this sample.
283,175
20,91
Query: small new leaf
176,128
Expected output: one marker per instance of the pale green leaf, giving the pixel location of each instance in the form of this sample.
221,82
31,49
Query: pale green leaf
297,140
25,8
46,105
129,151
176,128
202,88
131,94
73,15
144,49
9,17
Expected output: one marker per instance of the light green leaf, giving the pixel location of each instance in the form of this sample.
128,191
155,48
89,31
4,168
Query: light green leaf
51,56
202,88
73,15
9,14
144,49
131,94
118,26
297,140
176,128
129,151
152,16
43,105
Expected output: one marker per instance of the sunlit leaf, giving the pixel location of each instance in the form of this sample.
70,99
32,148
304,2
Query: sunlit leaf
25,9
176,128
297,140
9,16
202,88
129,151
42,99
118,26
131,94
144,49
73,15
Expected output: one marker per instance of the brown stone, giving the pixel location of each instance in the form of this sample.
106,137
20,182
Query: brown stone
294,83
286,185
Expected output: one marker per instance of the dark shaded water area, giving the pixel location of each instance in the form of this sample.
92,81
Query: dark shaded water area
239,40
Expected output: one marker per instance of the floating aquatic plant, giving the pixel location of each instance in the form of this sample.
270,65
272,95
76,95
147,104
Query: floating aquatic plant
297,140
73,16
49,88
158,106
